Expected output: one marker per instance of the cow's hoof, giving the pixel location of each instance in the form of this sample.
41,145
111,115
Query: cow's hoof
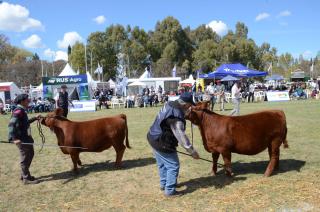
79,163
230,174
213,173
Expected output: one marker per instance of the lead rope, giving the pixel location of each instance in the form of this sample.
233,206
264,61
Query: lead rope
191,132
43,139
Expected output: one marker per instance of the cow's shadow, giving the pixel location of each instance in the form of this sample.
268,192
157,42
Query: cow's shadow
97,167
239,168
260,167
218,181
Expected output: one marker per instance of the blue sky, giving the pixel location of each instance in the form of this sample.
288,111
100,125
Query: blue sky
289,25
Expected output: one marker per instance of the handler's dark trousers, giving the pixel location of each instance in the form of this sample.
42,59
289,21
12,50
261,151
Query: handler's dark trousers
65,112
26,156
251,95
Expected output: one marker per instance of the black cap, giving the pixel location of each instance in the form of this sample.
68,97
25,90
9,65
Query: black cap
63,86
20,98
187,98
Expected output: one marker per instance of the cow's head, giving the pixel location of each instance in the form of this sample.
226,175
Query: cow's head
203,105
193,114
49,120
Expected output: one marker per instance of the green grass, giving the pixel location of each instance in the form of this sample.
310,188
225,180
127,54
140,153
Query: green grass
99,187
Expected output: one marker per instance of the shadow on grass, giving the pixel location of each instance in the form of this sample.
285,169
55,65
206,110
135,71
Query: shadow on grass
97,167
218,181
221,180
260,167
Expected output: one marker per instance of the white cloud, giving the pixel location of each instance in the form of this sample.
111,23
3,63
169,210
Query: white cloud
61,55
262,16
69,38
58,55
100,19
14,17
33,42
307,54
49,53
219,27
284,13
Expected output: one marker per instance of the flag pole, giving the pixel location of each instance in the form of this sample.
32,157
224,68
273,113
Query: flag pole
85,56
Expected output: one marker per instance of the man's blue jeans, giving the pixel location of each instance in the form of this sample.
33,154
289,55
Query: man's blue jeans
168,165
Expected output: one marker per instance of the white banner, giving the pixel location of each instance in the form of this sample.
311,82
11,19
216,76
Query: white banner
83,106
278,96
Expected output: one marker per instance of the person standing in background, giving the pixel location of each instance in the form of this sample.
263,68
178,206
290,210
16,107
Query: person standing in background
63,100
236,97
211,89
220,88
251,92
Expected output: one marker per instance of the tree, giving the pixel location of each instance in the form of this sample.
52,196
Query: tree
205,57
6,50
77,57
241,30
35,57
69,51
203,33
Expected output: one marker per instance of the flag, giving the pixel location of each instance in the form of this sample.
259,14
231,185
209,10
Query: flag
98,70
174,70
270,68
311,68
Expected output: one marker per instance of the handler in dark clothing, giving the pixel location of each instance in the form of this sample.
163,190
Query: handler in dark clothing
164,135
20,132
63,100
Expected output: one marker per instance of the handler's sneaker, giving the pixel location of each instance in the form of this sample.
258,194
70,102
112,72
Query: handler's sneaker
174,194
30,181
31,178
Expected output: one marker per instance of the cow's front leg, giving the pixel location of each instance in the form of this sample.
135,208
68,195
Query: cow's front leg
227,163
75,159
215,157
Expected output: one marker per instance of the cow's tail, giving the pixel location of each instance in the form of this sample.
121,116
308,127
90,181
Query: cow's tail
284,139
126,129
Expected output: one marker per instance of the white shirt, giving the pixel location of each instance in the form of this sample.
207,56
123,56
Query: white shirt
251,88
211,89
235,92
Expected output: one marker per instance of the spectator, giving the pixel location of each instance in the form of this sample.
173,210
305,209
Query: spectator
220,88
211,89
235,95
251,93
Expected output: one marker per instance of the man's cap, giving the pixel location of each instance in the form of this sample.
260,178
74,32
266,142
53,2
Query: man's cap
20,98
63,86
187,98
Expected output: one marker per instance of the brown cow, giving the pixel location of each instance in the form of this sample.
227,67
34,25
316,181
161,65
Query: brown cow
247,134
94,135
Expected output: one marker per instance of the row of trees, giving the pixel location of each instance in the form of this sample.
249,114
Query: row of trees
168,44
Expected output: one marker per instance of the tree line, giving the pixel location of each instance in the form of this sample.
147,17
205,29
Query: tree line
170,44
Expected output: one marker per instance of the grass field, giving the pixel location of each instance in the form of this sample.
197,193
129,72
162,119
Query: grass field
135,187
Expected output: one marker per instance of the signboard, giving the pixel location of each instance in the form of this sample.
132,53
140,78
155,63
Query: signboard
83,106
76,83
278,96
77,79
4,88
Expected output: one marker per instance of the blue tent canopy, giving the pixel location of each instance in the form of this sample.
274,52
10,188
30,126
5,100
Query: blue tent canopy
235,70
275,77
229,78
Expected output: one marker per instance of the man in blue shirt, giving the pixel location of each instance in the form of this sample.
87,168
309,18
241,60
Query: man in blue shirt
167,131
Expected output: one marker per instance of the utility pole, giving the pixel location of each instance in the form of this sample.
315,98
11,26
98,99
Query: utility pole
41,68
91,62
85,56
52,66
